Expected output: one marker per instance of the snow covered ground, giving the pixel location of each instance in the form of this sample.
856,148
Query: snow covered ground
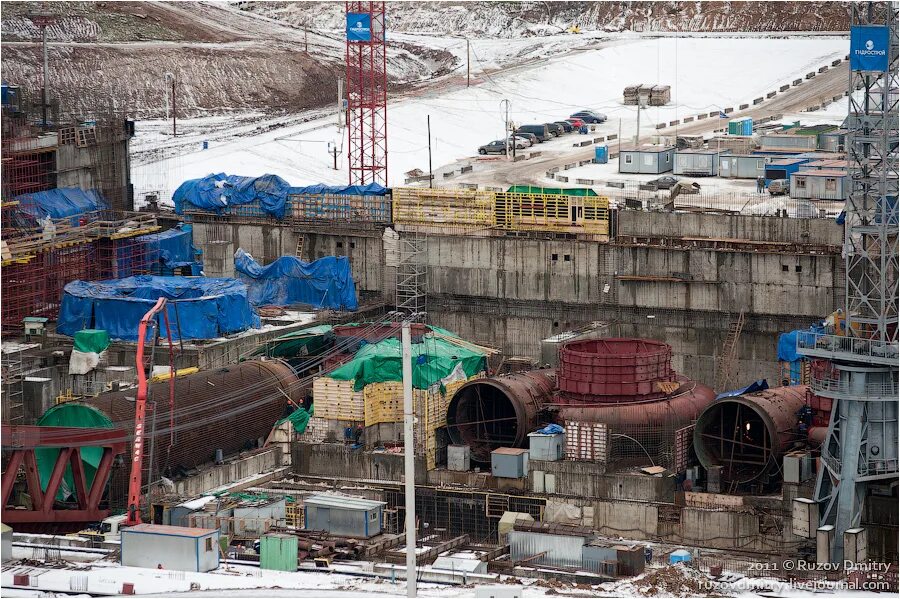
246,581
706,73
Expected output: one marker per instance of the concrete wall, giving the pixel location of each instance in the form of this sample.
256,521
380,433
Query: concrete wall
220,475
332,459
587,479
496,290
104,166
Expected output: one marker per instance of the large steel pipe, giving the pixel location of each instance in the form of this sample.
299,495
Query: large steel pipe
747,435
612,370
498,411
227,408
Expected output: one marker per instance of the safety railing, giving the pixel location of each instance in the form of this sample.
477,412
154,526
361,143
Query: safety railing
849,348
872,467
833,386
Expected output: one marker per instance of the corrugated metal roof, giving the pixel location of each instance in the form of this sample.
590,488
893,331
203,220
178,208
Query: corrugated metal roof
786,162
825,172
341,502
701,151
173,531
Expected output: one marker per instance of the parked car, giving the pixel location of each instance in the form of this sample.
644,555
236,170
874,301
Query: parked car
576,123
555,130
542,132
495,147
589,116
666,182
779,187
529,136
521,142
566,125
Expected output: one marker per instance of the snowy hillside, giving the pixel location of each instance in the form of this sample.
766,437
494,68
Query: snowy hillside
516,19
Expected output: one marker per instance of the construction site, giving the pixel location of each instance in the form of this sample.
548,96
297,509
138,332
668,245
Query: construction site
581,368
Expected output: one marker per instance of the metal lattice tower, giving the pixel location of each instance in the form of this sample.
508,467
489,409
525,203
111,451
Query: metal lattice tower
412,276
367,97
860,451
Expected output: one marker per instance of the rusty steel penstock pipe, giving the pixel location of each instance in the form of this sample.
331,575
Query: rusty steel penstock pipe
499,411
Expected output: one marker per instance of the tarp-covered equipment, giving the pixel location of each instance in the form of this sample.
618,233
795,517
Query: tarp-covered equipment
323,283
61,202
199,307
216,192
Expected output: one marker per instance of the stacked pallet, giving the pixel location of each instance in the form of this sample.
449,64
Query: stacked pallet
653,95
587,441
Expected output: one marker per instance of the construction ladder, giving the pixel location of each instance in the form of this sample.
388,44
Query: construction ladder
729,352
299,252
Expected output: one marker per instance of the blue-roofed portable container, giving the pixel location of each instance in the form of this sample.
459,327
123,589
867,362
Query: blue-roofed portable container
743,166
343,516
784,168
170,547
697,162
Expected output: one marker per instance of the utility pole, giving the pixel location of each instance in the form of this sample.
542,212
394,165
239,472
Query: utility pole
409,461
306,40
504,105
619,136
167,77
342,119
468,65
430,173
637,133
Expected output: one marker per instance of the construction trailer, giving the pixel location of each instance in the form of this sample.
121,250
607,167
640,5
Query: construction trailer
343,516
750,166
822,184
792,139
784,168
170,547
697,162
646,159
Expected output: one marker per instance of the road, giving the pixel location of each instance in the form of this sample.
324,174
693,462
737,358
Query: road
814,92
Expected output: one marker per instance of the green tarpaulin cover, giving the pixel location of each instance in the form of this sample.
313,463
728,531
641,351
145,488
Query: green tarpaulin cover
70,414
433,359
300,418
91,340
577,191
304,342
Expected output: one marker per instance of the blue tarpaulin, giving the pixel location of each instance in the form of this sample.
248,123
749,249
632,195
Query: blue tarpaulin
173,249
551,429
215,192
323,283
203,308
372,189
760,385
787,343
61,202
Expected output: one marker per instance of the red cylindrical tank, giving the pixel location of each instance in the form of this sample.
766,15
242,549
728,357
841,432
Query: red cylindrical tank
612,370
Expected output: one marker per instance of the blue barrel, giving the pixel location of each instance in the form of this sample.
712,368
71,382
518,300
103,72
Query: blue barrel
601,154
205,145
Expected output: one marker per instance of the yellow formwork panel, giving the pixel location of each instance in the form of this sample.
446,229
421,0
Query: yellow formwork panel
336,400
453,207
384,403
555,213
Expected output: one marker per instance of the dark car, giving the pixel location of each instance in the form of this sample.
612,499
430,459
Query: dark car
566,125
495,147
540,131
529,136
555,129
589,116
666,182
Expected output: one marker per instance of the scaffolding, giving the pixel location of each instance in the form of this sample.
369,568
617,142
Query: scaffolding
412,277
453,211
13,391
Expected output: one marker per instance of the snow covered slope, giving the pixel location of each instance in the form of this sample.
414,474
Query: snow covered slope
705,73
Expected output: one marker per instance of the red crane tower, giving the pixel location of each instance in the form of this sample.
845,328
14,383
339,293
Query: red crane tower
366,93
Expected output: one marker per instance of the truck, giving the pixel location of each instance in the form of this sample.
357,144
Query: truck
109,529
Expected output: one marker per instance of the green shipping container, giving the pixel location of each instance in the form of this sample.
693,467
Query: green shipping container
278,552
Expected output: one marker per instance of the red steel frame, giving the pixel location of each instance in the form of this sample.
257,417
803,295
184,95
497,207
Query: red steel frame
367,99
124,257
22,441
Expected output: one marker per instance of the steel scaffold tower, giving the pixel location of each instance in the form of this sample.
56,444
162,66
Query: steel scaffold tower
412,276
860,451
366,94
